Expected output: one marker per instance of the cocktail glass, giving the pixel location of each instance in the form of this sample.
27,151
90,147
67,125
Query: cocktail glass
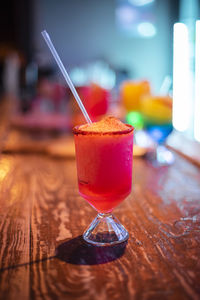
157,114
104,169
131,93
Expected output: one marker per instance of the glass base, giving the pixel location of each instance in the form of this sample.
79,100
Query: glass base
105,230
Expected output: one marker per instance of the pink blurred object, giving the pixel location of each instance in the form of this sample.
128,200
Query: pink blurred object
50,97
95,100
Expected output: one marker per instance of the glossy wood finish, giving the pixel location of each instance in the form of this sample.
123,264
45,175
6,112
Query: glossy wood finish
42,217
186,147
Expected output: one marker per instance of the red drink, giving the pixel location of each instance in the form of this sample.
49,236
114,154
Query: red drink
104,152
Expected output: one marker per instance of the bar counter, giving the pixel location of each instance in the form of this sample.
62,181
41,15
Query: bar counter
42,218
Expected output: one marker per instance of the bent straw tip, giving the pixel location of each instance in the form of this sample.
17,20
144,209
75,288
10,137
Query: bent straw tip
45,34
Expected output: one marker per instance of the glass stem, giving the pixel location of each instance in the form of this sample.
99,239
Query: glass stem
105,230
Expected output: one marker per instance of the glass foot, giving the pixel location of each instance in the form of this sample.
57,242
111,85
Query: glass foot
105,230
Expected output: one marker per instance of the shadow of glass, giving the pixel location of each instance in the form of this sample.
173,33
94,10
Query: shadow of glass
43,260
76,251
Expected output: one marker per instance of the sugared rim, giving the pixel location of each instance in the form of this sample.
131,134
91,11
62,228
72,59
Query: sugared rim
77,131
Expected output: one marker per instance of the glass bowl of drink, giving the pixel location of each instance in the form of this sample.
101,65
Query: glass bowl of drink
131,93
157,114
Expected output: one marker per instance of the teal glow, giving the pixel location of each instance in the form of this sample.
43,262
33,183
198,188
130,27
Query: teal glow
146,29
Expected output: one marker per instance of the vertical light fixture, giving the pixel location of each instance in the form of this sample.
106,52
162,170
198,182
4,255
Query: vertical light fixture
181,78
197,84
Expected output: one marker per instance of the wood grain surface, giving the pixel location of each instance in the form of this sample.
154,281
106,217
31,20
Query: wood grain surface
42,217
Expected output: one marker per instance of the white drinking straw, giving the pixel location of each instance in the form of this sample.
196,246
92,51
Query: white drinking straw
65,74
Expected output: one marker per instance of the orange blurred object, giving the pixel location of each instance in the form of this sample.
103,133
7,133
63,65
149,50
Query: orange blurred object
157,109
131,93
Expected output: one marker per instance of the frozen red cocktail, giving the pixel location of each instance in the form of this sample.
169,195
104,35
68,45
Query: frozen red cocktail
104,154
104,162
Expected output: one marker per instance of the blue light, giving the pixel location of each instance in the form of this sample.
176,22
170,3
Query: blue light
141,2
159,133
146,29
126,14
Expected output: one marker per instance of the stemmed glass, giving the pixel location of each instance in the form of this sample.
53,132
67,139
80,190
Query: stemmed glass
157,113
104,169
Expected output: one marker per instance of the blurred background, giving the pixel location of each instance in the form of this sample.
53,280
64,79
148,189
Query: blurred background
125,57
134,38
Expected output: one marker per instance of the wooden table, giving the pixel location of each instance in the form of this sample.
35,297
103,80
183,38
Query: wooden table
42,217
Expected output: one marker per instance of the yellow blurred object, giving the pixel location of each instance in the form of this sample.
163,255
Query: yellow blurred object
157,109
132,92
